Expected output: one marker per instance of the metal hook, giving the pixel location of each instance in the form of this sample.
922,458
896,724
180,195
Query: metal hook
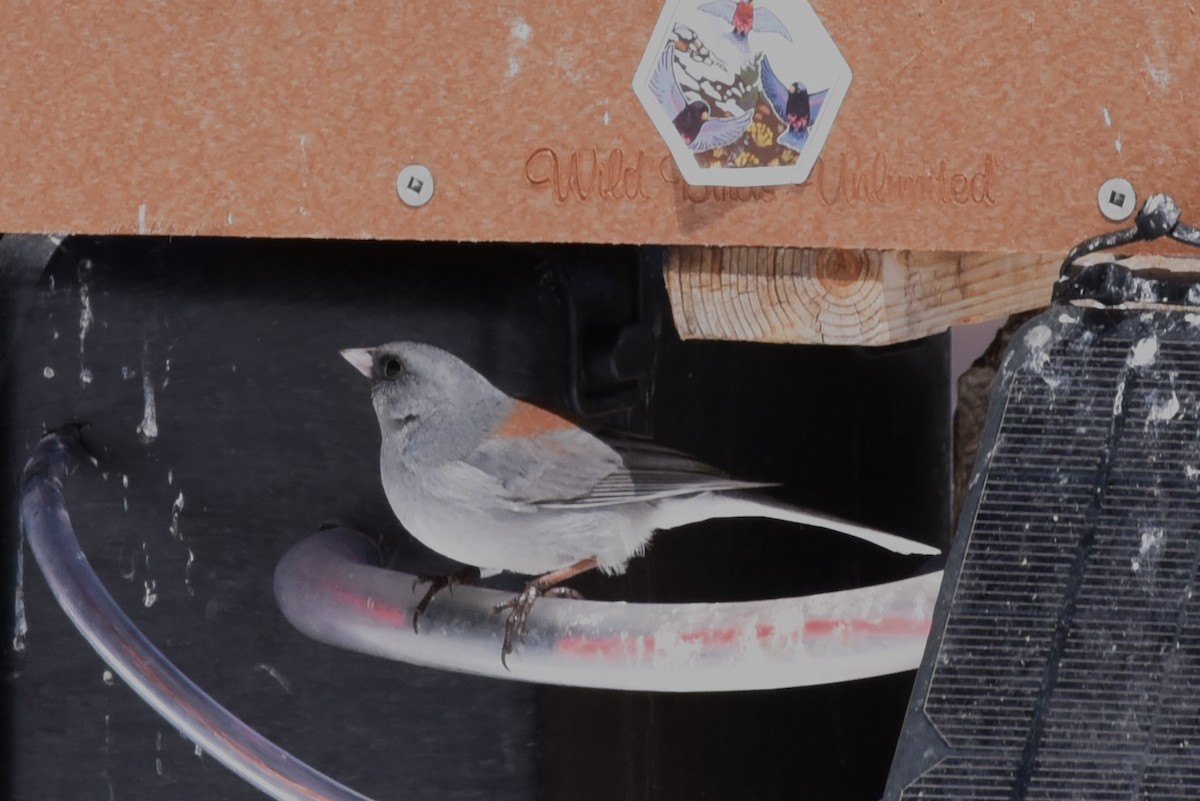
1158,217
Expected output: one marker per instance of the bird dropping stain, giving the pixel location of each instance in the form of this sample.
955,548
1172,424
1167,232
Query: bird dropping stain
519,33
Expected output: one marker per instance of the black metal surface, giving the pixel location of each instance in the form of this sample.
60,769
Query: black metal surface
1064,661
1111,283
267,433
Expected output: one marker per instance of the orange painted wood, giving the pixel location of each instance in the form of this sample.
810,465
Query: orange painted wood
968,127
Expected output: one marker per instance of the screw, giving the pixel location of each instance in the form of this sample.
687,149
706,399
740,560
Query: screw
414,185
1117,199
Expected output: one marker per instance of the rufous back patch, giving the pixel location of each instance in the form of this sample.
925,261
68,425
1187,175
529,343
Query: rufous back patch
527,420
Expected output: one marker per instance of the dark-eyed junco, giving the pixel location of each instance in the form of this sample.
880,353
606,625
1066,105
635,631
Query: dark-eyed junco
501,484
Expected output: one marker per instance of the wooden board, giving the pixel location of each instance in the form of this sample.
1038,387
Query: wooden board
846,297
859,297
968,127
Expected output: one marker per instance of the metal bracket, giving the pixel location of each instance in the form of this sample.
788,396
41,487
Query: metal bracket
614,327
1110,283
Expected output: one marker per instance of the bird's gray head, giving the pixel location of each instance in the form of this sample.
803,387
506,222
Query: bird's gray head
432,406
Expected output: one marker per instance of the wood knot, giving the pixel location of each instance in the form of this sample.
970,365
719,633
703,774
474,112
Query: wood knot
842,272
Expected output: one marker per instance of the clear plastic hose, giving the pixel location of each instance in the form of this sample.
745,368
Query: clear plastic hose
131,656
330,587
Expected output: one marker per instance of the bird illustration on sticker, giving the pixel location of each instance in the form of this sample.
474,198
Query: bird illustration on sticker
795,106
694,121
745,19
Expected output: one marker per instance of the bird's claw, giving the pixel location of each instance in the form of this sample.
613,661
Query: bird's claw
519,607
436,584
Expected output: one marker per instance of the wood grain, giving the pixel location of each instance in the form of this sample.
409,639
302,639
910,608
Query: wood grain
859,297
846,297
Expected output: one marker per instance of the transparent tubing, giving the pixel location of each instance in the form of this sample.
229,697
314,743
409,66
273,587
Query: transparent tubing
131,656
331,588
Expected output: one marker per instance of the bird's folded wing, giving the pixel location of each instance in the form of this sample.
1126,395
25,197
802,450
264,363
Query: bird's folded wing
552,466
574,469
649,472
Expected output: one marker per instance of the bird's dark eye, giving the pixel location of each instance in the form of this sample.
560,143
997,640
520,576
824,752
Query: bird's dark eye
390,367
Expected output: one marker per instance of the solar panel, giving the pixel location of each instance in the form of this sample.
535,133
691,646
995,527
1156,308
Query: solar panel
1064,661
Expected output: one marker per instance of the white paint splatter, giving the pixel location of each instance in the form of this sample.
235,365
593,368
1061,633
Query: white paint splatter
86,319
1144,352
1038,341
1067,319
126,564
20,626
107,678
199,752
151,596
1161,412
147,430
1117,144
112,795
1119,400
170,477
1107,117
1149,552
187,571
275,674
48,372
519,33
175,509
228,221
124,481
607,118
142,228
1192,319
1159,72
1191,471
1037,337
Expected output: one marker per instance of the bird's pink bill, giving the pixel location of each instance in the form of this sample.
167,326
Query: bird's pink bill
360,359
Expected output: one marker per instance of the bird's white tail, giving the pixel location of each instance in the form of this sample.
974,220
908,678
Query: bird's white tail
675,512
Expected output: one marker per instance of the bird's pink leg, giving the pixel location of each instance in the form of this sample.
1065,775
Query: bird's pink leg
522,604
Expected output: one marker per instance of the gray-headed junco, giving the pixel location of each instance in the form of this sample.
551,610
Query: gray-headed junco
501,484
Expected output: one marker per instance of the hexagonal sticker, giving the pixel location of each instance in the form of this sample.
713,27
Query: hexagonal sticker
743,92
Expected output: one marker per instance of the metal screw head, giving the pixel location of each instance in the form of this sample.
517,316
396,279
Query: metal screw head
414,185
1117,199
